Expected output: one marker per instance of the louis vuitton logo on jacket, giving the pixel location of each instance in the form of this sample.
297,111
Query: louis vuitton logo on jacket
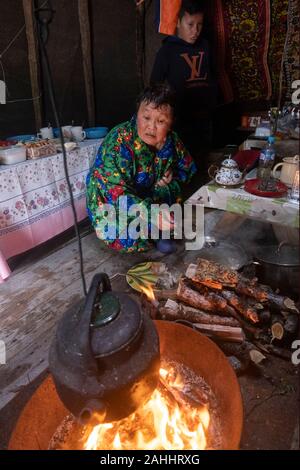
195,63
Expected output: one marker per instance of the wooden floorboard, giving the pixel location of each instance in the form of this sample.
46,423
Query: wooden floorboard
34,298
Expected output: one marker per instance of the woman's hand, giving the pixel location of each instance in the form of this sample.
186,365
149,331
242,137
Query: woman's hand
166,179
165,220
159,145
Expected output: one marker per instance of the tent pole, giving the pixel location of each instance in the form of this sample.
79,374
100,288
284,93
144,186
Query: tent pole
33,58
140,42
85,31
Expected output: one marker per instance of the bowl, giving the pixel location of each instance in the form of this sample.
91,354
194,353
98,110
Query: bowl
55,132
96,132
7,143
12,155
23,138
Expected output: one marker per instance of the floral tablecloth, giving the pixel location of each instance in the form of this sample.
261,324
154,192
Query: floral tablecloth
35,202
276,211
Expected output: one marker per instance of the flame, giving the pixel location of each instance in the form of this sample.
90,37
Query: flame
161,424
148,291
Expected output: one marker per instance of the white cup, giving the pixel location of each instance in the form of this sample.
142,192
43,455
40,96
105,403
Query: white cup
46,133
78,134
67,132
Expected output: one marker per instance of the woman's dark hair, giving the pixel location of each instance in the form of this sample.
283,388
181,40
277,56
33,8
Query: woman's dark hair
159,94
192,7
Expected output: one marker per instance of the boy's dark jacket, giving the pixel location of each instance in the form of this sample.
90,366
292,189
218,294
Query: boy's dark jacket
189,70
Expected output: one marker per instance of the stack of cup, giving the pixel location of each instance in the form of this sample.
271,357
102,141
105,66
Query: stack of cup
78,134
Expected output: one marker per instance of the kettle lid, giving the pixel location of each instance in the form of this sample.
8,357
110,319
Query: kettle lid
116,323
229,162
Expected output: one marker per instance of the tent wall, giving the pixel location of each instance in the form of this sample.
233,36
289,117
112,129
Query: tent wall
114,62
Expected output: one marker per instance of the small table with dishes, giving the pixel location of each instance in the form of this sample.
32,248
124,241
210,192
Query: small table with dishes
35,202
238,206
281,210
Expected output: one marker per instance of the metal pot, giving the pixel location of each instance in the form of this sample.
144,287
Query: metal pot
278,267
104,359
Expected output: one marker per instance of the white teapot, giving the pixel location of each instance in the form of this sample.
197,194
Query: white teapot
228,174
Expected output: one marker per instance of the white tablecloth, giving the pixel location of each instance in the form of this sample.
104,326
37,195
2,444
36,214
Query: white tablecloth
276,211
35,202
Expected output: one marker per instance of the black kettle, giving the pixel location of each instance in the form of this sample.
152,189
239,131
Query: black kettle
104,358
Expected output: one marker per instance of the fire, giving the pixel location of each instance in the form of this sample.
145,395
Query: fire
161,424
148,291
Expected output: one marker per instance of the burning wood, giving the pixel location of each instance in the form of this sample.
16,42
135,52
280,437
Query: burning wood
182,414
226,306
241,305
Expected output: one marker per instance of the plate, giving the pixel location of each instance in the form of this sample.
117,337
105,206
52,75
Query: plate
251,186
229,186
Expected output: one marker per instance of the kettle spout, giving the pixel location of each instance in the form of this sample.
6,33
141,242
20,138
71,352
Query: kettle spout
93,413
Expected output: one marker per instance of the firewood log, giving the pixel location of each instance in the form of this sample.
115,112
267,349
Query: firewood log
212,274
217,276
264,316
174,311
211,302
277,327
265,294
189,394
275,350
291,324
165,294
249,312
245,353
283,328
227,333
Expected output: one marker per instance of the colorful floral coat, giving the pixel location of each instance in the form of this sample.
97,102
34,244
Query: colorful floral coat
126,166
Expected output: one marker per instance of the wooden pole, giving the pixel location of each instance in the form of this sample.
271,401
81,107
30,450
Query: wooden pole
140,42
85,31
33,58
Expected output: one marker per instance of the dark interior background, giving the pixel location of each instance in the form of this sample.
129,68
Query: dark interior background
116,74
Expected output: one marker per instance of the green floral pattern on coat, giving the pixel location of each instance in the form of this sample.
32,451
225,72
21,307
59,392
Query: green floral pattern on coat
126,166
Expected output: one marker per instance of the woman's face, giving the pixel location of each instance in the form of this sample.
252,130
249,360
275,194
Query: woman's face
153,124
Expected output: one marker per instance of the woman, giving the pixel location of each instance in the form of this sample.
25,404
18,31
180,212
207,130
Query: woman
143,160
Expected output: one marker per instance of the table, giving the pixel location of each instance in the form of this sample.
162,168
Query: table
280,211
35,202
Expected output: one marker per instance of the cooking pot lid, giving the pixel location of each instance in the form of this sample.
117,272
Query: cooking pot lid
286,255
227,254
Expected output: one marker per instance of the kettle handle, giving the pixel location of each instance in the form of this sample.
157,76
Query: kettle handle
84,340
213,170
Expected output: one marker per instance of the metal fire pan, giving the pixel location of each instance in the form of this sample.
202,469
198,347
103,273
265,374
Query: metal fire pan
44,412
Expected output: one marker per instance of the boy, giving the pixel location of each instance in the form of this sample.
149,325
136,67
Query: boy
184,62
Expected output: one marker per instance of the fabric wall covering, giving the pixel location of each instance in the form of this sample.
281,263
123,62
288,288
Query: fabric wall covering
256,45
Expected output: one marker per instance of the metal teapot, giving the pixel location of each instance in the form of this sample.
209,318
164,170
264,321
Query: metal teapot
104,358
228,174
